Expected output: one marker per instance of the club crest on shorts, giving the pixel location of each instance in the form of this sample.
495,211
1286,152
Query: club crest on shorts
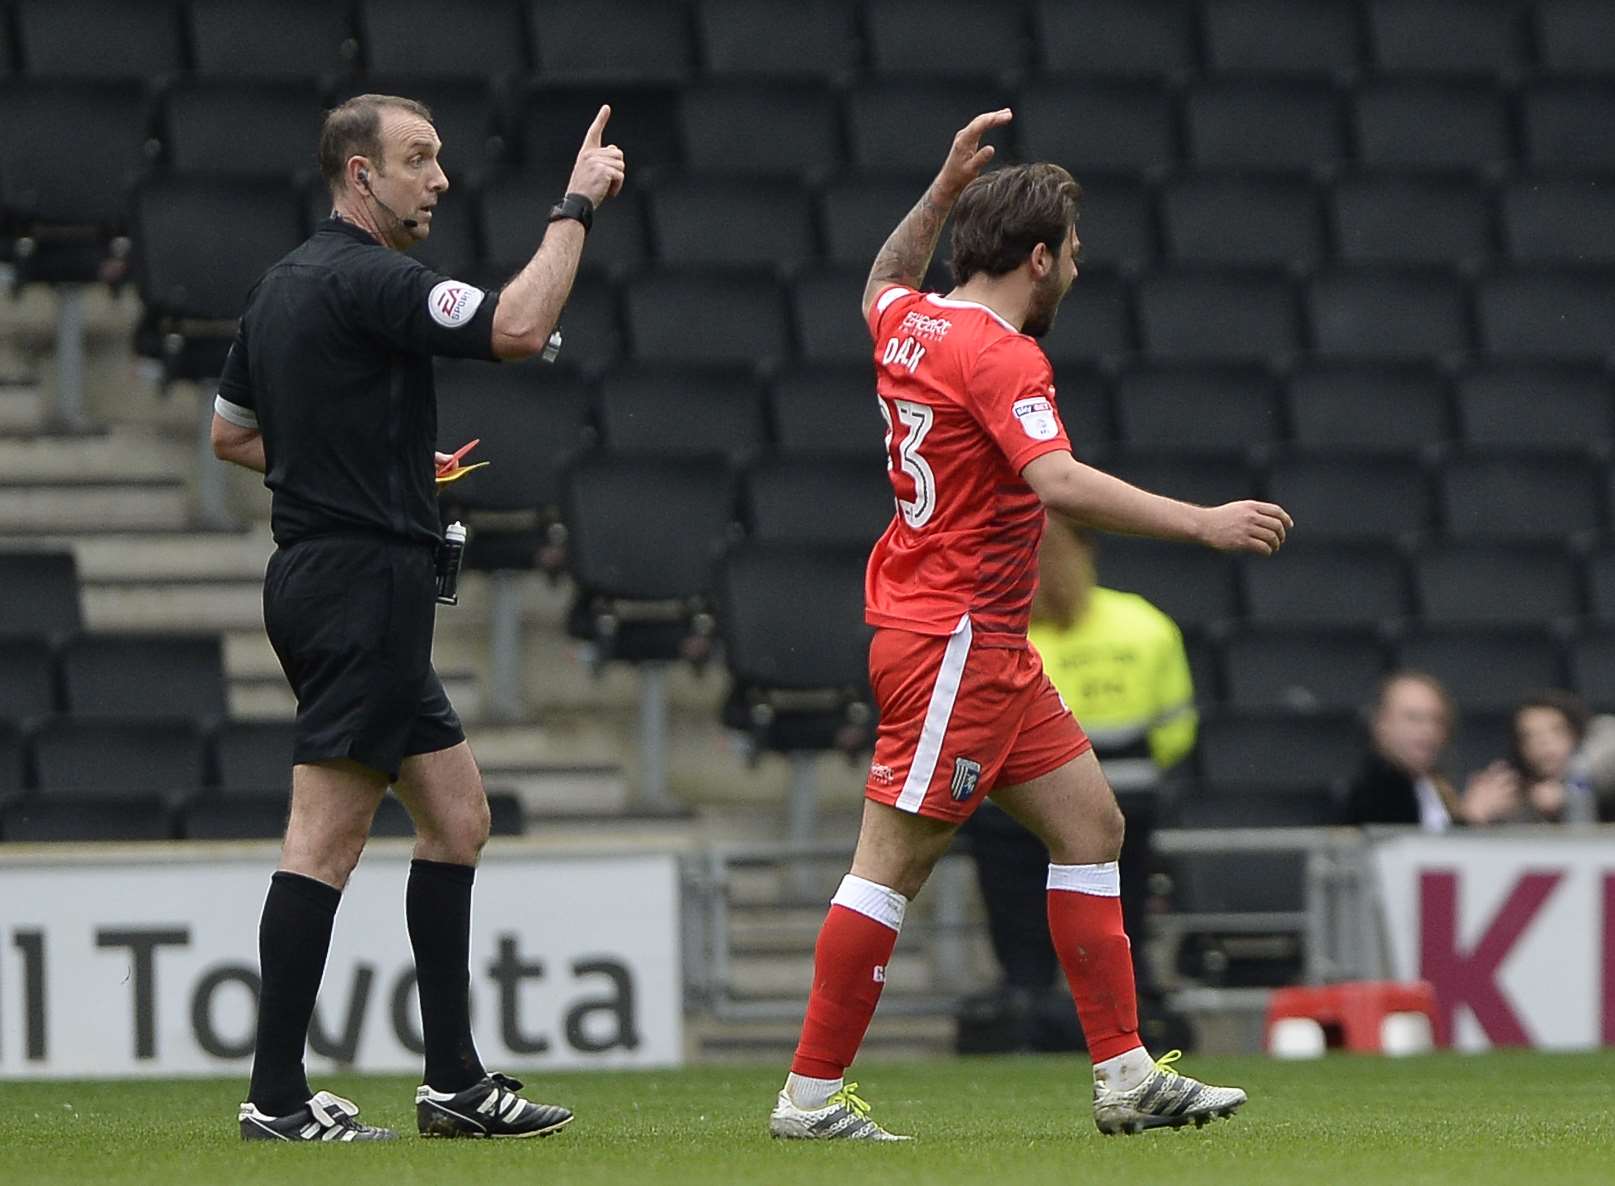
966,774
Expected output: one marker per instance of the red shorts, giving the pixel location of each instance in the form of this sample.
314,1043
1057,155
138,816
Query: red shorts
958,720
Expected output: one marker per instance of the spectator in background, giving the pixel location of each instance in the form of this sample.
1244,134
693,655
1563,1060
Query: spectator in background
1410,723
1119,664
1543,780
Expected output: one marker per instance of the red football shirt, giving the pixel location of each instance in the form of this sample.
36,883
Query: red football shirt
968,402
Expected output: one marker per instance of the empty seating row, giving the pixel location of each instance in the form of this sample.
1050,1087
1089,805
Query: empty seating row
148,676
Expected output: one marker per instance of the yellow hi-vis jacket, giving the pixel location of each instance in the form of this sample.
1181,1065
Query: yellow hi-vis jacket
1123,672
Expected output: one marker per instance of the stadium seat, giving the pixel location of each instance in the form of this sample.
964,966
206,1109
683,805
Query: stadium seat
259,816
1328,584
1343,497
830,330
206,121
1206,478
591,327
452,249
851,502
550,121
515,206
677,412
777,39
481,41
1105,127
1575,36
67,210
1127,38
1316,37
1409,219
1486,669
1205,665
1115,224
1192,586
1085,408
1264,125
1218,316
1093,324
1548,315
255,756
1302,669
1238,883
827,411
1279,750
708,222
1560,221
1601,585
145,676
1567,126
1497,584
707,318
1430,124
1481,738
796,647
901,127
1521,496
289,39
1368,409
858,211
1241,220
943,37
41,820
119,757
99,39
1535,407
13,765
1394,316
1446,37
39,593
1228,408
1206,806
27,680
762,129
650,41
1592,669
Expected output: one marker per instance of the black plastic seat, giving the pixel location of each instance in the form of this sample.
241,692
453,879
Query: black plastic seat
1400,219
1369,409
1536,407
942,37
99,39
1446,37
1229,408
1575,36
859,210
27,679
290,39
741,319
1207,478
777,39
1301,37
1431,124
1268,124
1116,223
13,761
739,129
204,122
1601,585
246,816
1191,586
1093,324
827,412
255,756
1238,883
1567,126
1085,408
1497,584
1210,806
145,676
1218,316
1486,669
1242,221
591,326
1114,127
119,757
1303,669
896,127
1346,497
1279,750
1328,584
709,222
825,315
850,501
483,40
1521,496
550,120
1400,316
39,593
513,210
1548,315
41,820
682,413
1592,668
1126,38
650,41
1482,737
1560,221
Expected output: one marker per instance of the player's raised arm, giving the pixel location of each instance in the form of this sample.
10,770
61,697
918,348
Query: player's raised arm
1096,499
906,253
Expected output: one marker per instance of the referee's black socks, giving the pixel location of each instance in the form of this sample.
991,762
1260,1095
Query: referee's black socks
438,908
294,937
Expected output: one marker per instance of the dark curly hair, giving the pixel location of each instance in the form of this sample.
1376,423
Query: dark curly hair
1003,215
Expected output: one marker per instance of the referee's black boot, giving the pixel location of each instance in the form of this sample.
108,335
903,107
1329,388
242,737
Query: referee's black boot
490,1107
326,1117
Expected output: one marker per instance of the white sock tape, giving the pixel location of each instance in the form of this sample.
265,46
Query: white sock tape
1102,881
885,906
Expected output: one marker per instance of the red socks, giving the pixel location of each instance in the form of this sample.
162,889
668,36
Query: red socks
1085,921
849,970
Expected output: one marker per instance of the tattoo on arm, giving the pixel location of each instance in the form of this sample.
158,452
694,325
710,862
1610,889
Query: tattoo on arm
907,251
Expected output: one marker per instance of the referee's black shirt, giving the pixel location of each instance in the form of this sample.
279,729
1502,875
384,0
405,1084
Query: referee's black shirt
333,366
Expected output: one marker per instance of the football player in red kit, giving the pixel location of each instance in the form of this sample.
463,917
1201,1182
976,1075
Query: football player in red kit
976,451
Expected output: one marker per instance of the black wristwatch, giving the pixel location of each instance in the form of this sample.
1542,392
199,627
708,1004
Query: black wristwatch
575,206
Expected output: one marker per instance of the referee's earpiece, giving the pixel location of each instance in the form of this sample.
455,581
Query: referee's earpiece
364,179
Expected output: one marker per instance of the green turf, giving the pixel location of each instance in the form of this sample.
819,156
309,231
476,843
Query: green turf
1503,1118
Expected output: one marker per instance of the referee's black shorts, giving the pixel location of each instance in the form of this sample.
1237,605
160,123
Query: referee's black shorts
350,618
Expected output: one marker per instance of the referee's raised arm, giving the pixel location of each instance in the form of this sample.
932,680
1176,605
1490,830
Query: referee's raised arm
531,303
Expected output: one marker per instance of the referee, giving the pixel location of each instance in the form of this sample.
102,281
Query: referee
328,392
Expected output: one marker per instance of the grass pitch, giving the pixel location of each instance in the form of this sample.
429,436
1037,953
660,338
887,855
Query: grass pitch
1472,1121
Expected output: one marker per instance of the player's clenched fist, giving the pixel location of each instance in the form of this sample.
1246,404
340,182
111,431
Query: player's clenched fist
600,169
1247,526
969,156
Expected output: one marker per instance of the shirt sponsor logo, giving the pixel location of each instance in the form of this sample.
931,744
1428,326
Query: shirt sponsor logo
1036,415
452,303
922,326
882,774
966,775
